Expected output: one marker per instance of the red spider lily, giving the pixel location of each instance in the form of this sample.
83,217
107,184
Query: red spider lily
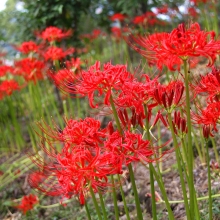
162,10
28,47
92,36
130,147
74,64
54,34
135,94
103,81
179,125
72,173
30,68
207,131
136,119
117,32
7,87
27,203
118,16
209,84
169,96
140,19
82,163
86,132
171,48
147,18
62,76
192,12
5,69
208,117
160,117
56,53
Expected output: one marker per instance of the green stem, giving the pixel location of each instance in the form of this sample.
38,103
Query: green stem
190,150
137,202
197,215
215,149
95,203
154,209
179,167
78,106
103,206
87,212
159,144
134,188
209,181
163,191
201,156
123,198
115,115
114,198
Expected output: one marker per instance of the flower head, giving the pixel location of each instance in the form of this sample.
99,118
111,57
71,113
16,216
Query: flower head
130,147
7,87
30,69
209,84
134,94
27,203
27,47
82,163
118,16
55,34
169,96
208,117
170,49
56,53
4,69
111,78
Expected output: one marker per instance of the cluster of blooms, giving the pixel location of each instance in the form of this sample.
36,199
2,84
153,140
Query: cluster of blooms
53,34
89,155
148,19
170,49
209,117
38,58
27,203
92,36
7,86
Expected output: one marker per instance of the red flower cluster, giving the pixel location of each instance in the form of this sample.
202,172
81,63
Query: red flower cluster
55,34
83,162
130,147
209,84
209,116
4,69
30,68
170,49
56,53
91,36
169,96
101,81
27,47
89,154
118,16
135,94
27,203
7,87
